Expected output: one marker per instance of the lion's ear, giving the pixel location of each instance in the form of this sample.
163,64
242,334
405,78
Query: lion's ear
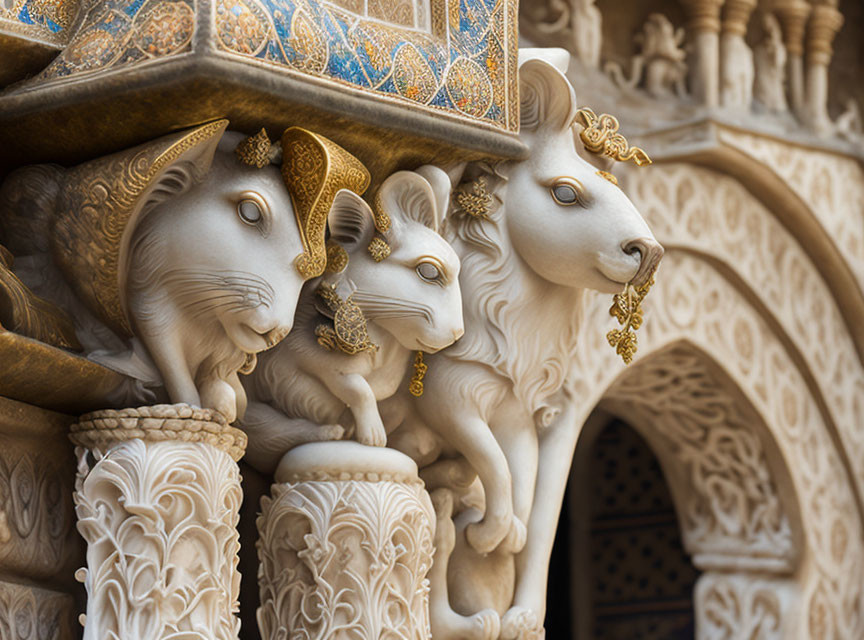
547,98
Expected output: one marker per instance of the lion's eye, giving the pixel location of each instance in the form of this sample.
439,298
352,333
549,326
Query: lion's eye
249,211
568,192
428,271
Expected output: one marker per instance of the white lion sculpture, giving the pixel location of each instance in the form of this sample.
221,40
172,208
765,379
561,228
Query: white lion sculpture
406,287
531,235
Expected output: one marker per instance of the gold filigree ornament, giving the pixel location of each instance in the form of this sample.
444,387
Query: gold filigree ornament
256,151
476,201
608,176
600,135
99,208
378,249
348,333
315,169
337,257
627,309
415,387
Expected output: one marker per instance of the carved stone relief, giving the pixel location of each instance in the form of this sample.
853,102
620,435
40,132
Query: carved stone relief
733,607
159,514
715,216
345,545
31,613
698,305
729,504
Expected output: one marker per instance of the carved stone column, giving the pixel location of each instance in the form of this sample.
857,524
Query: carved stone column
703,26
736,59
157,499
825,22
345,545
793,19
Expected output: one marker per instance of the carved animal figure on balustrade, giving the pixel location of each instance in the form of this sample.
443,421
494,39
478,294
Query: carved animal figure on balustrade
358,330
532,235
660,66
770,61
175,258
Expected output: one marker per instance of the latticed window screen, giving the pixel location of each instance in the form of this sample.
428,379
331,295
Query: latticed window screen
642,580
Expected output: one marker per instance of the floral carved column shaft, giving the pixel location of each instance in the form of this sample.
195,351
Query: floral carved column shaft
157,499
345,545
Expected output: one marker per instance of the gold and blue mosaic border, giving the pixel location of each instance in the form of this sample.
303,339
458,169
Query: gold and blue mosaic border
463,62
47,20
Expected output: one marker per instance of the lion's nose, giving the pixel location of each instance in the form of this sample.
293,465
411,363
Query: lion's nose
650,252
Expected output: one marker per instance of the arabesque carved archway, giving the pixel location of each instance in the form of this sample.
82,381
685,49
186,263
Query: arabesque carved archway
720,321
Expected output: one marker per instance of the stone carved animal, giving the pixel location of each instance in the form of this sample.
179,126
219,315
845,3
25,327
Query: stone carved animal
661,60
175,246
561,227
411,300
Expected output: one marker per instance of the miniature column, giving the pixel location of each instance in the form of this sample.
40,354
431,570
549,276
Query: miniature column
793,19
703,26
825,22
157,498
345,543
736,59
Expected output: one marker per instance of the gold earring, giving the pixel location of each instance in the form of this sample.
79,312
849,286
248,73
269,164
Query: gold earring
415,388
627,309
349,333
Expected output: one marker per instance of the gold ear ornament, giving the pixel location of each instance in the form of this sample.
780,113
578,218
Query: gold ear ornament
382,219
608,176
415,388
348,333
315,169
476,201
627,309
379,249
337,258
600,135
255,150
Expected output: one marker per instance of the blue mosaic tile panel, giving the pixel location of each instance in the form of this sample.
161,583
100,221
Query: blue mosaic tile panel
463,62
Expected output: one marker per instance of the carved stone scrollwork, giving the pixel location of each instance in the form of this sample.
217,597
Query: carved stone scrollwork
733,606
732,506
345,545
157,499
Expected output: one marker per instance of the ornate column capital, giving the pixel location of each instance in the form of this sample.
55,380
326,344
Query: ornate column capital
736,15
157,498
825,22
346,541
703,15
793,16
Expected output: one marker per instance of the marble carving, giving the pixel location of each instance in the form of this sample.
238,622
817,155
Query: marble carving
317,384
490,397
134,246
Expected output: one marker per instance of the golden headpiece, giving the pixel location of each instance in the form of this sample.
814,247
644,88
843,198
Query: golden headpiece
600,135
99,208
315,169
